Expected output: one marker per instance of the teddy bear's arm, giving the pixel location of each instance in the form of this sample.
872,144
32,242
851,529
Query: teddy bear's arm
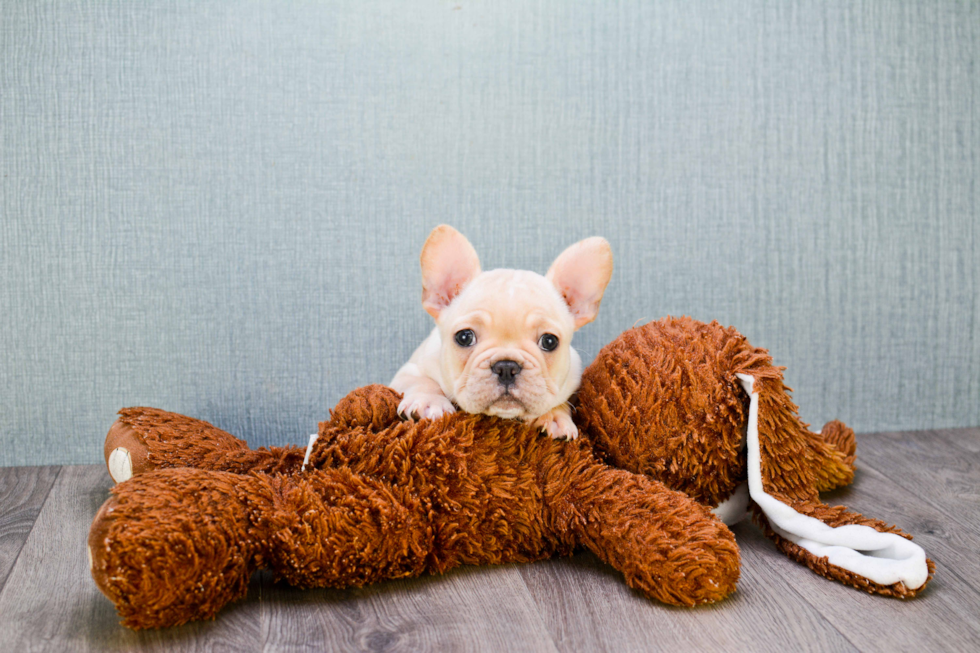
373,407
665,544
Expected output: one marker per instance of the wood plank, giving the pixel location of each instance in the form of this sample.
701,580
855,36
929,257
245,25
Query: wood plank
588,607
22,493
466,609
931,469
966,440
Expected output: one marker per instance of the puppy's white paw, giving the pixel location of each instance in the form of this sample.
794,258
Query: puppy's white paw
558,424
428,406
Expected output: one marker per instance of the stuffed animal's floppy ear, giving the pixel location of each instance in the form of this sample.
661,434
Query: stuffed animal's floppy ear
449,262
581,274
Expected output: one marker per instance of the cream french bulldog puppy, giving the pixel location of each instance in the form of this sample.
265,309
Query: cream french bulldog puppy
502,341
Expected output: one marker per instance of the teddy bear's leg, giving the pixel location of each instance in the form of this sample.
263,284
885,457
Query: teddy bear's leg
143,439
665,544
171,546
835,543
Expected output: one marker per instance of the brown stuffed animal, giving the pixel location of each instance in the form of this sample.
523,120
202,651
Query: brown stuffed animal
676,415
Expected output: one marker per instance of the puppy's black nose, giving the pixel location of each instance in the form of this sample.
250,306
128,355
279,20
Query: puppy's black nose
506,371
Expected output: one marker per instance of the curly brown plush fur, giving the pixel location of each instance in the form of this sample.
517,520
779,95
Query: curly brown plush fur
663,418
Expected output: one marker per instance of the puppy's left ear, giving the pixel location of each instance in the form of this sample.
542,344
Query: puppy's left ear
581,274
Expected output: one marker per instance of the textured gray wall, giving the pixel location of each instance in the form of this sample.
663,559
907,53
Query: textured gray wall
216,208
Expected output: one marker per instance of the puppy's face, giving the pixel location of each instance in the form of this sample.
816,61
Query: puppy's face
506,334
506,345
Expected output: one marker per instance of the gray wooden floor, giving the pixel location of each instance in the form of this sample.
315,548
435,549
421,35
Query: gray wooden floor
927,481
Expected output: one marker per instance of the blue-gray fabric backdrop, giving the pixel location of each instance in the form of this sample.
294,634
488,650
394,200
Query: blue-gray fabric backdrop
217,207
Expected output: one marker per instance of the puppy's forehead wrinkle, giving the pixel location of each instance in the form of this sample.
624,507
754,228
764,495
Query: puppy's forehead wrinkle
476,317
510,306
537,319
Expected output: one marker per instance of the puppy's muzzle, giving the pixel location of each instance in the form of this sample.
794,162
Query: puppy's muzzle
506,372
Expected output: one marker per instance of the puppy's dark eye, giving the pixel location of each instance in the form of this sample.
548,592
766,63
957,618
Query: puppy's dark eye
465,338
548,342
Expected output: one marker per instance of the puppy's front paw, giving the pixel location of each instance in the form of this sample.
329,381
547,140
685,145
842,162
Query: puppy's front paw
558,424
428,406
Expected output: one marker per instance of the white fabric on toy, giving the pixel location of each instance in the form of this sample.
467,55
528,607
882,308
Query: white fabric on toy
309,448
884,558
735,508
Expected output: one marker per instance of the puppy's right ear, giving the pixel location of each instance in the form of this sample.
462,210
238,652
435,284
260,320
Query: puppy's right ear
449,262
581,274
